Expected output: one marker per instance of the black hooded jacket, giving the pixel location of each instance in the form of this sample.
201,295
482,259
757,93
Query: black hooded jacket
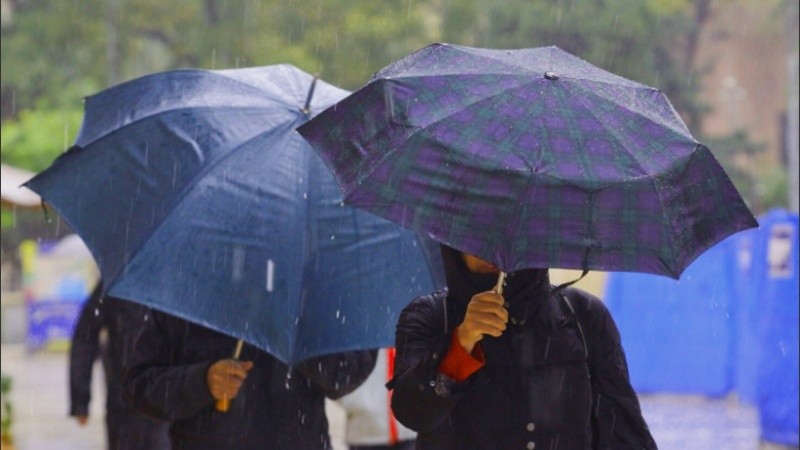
277,408
126,428
556,379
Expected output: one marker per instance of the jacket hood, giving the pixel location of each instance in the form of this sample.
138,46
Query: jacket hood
520,286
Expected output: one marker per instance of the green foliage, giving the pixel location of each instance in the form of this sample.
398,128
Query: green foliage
7,411
731,151
52,54
772,187
632,38
60,51
34,140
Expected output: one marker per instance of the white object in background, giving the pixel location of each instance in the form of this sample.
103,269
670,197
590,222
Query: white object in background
12,194
369,421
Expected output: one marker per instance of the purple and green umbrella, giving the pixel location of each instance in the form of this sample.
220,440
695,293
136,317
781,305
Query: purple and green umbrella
529,158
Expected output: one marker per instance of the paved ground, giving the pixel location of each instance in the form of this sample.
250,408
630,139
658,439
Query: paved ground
41,423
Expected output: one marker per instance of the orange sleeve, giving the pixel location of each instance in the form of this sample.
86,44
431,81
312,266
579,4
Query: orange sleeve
458,364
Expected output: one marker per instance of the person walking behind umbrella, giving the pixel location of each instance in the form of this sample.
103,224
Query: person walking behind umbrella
179,370
126,429
534,367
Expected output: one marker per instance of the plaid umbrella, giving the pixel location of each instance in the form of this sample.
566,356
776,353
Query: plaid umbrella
529,158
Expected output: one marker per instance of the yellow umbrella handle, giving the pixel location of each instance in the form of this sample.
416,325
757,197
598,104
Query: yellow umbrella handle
223,404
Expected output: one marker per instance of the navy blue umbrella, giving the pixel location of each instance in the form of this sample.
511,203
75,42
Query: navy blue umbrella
197,197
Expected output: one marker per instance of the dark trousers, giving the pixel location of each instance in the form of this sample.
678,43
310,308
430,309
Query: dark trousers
133,431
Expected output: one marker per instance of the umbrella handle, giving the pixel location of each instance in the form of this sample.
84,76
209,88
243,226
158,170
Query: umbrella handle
224,404
501,278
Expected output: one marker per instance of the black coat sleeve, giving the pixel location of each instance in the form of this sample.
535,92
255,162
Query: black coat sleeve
617,420
421,342
156,381
338,374
84,351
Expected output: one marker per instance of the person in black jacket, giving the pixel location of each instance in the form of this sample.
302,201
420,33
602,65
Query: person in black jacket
534,368
126,429
179,370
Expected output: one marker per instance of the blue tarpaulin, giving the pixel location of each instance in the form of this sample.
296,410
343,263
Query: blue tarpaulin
730,324
677,335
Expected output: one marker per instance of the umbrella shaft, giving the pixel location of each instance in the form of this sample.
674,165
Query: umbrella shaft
238,350
501,278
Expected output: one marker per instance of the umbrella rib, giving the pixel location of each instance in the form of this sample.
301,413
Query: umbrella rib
464,106
306,257
619,136
202,72
684,132
191,76
156,113
647,176
513,64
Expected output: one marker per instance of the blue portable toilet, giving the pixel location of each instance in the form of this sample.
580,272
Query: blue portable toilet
776,288
678,334
746,312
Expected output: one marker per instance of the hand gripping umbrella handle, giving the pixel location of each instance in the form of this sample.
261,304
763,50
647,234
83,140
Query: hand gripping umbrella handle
223,404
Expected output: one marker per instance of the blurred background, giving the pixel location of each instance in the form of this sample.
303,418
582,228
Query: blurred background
697,352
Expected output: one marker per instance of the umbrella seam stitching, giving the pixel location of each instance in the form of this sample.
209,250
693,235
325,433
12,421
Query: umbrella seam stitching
552,48
155,115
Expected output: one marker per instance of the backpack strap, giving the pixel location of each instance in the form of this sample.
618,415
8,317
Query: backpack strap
564,301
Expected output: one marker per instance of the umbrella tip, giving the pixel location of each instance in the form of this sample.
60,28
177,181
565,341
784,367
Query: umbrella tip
307,107
551,75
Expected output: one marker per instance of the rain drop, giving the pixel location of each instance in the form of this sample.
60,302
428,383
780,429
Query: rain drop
270,275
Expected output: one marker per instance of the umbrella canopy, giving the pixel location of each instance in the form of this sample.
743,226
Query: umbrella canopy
197,197
529,158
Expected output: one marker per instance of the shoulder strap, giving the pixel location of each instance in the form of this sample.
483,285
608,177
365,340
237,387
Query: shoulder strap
565,302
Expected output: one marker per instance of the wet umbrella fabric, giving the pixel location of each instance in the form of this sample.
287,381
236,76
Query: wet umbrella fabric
529,158
197,197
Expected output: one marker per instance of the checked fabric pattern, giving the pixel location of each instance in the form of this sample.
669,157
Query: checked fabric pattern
529,158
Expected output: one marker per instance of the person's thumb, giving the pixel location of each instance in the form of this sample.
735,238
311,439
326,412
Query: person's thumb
247,365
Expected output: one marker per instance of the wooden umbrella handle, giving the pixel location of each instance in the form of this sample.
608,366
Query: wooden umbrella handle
224,404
